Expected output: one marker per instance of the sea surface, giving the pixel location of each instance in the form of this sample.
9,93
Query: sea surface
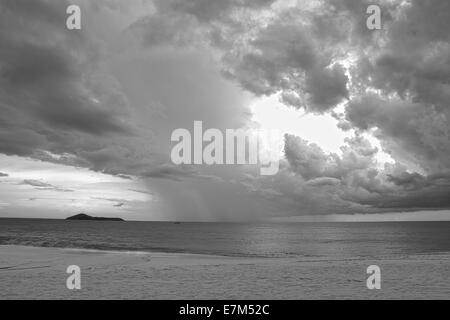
310,240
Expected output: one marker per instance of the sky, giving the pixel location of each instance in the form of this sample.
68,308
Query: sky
86,116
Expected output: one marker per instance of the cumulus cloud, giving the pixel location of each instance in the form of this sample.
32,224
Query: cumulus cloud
353,177
411,131
399,93
284,57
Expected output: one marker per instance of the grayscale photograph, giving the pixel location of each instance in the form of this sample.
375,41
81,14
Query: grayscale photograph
235,150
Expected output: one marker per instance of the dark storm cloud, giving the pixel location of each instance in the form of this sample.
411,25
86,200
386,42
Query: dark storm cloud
42,10
168,172
299,52
56,104
51,89
160,30
410,72
47,76
173,172
417,191
355,13
284,57
207,10
410,131
327,88
415,181
351,177
410,113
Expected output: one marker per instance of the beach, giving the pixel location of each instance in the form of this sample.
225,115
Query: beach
40,273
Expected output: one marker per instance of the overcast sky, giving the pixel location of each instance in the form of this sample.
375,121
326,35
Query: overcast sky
86,115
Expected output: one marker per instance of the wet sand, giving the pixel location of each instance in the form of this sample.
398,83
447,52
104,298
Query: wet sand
40,273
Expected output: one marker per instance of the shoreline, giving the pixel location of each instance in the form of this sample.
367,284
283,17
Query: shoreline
305,258
40,273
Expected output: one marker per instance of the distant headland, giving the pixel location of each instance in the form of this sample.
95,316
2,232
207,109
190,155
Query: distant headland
83,216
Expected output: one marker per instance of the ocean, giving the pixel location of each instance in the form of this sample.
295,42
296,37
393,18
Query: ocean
264,240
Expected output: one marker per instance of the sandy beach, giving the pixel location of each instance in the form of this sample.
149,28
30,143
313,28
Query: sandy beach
40,273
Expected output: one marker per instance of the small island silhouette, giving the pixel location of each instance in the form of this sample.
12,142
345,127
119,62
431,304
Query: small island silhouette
83,216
